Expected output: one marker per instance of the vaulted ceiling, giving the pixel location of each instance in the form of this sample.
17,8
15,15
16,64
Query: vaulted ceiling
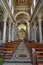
22,6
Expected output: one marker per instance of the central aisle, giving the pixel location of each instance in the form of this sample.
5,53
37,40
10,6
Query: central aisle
22,52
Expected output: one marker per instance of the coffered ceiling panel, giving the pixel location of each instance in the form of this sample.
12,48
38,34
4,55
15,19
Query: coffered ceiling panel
22,2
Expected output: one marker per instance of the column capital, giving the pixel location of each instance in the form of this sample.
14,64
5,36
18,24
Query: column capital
40,16
5,17
27,25
39,21
9,23
5,20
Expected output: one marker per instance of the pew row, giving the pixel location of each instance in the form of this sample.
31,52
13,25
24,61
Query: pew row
31,45
36,52
9,49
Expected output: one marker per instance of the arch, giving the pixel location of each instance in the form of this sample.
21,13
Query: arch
27,27
25,13
2,9
23,20
22,26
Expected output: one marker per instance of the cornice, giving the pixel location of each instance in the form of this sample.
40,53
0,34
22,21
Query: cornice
22,8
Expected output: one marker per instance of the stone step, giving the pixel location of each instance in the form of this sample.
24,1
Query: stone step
17,64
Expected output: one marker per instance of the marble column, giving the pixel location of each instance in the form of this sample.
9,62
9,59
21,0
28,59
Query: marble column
15,32
28,32
34,3
12,32
9,31
31,32
40,30
4,31
32,36
35,33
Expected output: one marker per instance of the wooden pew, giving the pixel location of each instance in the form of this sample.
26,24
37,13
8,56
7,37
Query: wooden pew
9,49
34,45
